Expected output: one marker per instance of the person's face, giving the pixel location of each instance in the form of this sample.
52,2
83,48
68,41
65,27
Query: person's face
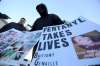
81,40
22,21
42,10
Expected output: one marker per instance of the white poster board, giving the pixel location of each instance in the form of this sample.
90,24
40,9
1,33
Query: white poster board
57,48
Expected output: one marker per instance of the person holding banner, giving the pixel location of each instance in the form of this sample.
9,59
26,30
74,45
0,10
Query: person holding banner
45,18
18,26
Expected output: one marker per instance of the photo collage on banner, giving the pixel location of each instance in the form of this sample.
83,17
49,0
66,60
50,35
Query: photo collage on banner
15,45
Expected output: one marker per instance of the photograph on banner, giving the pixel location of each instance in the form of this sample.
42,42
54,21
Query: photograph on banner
15,44
9,37
30,39
87,45
11,53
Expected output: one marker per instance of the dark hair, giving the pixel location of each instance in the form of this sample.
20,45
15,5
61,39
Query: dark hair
23,18
41,5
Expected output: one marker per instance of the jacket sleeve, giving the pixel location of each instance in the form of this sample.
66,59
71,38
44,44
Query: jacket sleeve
33,27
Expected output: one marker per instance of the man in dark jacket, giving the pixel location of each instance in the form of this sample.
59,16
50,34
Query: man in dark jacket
44,21
18,26
45,18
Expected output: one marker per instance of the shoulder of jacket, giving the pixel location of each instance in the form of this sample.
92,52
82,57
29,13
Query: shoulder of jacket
52,14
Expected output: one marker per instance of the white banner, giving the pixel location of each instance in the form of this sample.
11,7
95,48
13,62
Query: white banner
15,45
73,44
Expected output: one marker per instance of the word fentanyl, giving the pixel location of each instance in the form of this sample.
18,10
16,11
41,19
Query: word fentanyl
63,26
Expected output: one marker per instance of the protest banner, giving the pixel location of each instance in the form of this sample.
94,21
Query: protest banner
58,45
15,46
